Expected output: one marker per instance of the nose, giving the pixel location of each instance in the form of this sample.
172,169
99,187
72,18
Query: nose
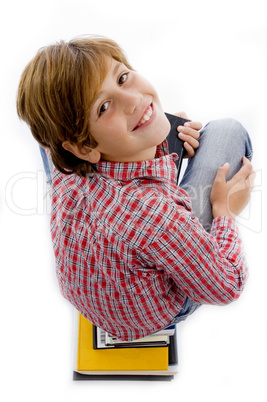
130,100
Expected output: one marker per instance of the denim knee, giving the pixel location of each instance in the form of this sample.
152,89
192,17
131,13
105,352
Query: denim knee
231,132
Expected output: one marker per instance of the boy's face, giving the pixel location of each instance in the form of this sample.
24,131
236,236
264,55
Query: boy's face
126,119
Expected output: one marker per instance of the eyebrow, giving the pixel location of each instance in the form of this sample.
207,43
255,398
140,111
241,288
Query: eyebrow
116,67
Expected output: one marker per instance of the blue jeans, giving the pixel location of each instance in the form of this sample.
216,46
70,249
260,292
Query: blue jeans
220,141
48,166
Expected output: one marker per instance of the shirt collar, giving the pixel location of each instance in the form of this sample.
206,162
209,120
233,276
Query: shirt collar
162,166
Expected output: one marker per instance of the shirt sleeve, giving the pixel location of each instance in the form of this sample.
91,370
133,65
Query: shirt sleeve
209,267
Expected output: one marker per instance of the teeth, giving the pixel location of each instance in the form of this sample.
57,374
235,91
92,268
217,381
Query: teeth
146,116
149,112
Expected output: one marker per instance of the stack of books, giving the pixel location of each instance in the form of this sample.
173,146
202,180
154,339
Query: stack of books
99,356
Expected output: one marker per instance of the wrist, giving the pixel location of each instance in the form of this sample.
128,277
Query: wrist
221,211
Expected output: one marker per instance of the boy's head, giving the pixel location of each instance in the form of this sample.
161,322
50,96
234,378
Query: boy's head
74,95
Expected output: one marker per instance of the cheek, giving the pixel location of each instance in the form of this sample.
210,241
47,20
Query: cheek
164,126
167,125
112,138
106,132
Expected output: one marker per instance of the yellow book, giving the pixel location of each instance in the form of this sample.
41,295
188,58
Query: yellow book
129,359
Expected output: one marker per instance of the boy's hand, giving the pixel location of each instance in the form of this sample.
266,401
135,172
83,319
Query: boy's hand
189,133
229,198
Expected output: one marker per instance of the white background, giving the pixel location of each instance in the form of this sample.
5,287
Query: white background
208,58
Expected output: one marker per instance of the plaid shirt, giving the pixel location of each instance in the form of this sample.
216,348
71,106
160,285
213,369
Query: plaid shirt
128,251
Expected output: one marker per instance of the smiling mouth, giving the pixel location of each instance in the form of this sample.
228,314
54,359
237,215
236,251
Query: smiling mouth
146,117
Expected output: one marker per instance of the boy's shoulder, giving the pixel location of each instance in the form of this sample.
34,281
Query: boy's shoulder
68,189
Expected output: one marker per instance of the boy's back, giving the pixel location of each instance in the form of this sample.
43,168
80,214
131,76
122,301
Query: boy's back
126,246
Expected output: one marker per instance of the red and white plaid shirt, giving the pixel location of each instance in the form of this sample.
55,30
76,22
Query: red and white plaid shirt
128,251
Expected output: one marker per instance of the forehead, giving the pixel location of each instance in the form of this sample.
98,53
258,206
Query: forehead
100,73
111,70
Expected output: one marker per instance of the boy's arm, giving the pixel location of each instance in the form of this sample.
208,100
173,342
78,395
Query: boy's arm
208,267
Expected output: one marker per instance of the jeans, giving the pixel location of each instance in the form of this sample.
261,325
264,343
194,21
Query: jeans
48,166
220,141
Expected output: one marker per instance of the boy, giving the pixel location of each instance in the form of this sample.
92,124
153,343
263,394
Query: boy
131,254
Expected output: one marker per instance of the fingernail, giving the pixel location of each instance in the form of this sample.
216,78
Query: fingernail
188,124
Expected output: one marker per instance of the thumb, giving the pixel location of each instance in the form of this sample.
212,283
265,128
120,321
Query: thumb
222,171
181,114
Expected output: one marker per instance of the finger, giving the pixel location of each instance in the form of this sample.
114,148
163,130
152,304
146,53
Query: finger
222,172
190,140
196,125
251,180
190,152
188,131
181,114
244,171
246,161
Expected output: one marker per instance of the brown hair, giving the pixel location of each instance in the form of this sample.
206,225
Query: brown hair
57,90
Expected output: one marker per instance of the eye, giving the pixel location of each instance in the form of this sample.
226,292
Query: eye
103,108
122,78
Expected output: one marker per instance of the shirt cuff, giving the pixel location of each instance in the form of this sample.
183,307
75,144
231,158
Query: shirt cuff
222,222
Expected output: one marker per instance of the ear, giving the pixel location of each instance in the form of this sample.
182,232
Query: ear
86,153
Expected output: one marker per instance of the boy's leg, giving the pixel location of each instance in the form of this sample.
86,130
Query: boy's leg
220,141
48,165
